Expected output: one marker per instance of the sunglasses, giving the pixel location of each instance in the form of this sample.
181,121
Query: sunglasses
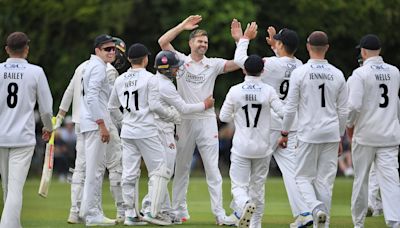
109,49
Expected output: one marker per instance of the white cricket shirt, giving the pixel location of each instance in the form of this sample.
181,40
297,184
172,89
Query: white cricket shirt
373,103
22,84
74,90
196,81
133,90
249,105
318,94
277,71
170,97
95,95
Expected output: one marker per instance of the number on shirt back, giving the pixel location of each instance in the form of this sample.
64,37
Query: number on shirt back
12,97
284,88
384,95
134,93
322,87
246,112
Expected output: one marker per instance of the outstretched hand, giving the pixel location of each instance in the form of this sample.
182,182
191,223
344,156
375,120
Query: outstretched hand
191,22
236,30
270,38
251,31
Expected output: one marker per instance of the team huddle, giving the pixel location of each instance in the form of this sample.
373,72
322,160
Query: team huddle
292,111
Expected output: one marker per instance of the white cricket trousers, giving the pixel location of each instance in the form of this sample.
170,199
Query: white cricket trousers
14,167
315,173
204,134
95,153
374,196
113,162
386,164
132,152
286,160
248,177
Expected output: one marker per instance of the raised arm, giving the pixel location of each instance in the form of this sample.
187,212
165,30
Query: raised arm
189,23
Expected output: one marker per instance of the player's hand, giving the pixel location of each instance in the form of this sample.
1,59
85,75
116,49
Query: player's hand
251,31
282,142
270,38
46,135
350,131
209,102
59,120
340,152
236,30
191,22
104,134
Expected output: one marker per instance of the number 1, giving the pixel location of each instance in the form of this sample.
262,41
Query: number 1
322,87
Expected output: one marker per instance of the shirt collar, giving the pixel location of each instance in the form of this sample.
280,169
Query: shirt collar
373,59
97,58
16,60
317,61
203,61
252,78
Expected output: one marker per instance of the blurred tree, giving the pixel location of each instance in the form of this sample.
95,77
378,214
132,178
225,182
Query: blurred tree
61,32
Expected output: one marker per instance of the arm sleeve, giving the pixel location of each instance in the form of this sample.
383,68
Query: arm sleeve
355,96
292,102
276,104
68,94
154,99
227,109
171,96
98,75
342,109
113,102
112,74
241,52
45,101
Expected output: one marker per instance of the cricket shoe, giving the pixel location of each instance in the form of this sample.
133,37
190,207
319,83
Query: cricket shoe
100,220
303,220
247,213
120,218
320,218
377,212
160,219
134,221
224,220
173,217
183,216
74,218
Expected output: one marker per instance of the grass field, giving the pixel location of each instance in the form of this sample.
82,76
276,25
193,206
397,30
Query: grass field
53,211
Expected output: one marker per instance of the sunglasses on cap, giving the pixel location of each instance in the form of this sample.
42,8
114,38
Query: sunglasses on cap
108,49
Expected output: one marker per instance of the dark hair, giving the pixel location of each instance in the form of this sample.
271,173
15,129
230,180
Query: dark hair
137,61
17,41
197,32
290,49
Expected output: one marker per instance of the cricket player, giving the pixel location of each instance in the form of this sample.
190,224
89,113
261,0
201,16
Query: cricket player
95,125
137,94
23,85
373,124
249,105
113,160
277,71
167,65
195,84
318,95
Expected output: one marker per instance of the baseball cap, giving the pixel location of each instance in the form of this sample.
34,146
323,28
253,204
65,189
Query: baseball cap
370,42
288,37
254,64
102,39
17,40
318,38
137,50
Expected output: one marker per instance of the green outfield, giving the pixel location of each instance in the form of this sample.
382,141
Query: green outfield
53,211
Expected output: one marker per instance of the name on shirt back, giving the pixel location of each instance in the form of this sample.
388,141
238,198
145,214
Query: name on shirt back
13,75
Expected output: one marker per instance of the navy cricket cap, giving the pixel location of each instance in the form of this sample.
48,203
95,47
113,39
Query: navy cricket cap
137,50
288,37
102,39
370,42
253,65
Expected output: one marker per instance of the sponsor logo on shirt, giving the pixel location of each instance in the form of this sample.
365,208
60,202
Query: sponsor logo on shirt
14,66
194,79
379,67
251,87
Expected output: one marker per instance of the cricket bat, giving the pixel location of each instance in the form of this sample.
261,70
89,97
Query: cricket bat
47,165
